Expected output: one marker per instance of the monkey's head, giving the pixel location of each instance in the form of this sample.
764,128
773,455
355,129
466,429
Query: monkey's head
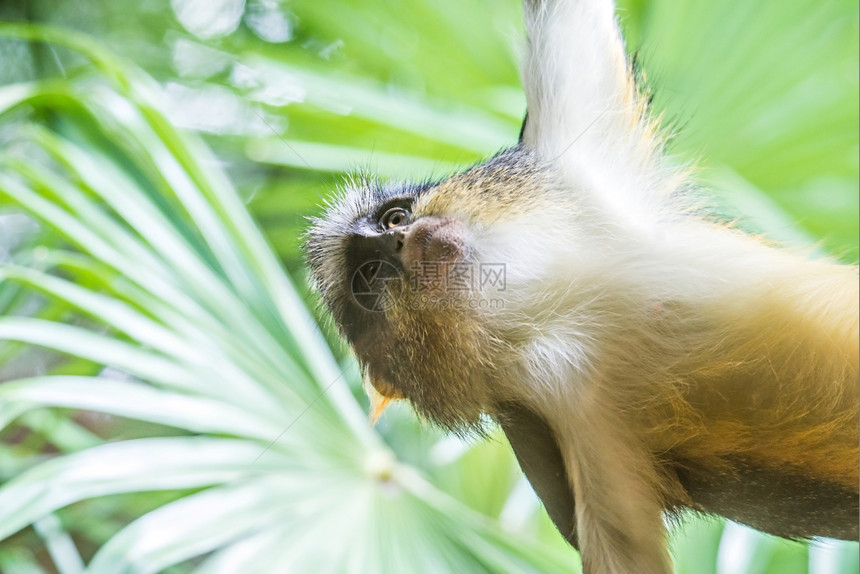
417,275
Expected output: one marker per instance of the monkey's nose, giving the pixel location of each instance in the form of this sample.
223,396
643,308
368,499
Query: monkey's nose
392,241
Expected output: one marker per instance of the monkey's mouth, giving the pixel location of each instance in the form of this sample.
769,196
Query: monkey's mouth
380,392
376,357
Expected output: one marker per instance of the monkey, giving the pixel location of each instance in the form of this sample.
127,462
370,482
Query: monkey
642,359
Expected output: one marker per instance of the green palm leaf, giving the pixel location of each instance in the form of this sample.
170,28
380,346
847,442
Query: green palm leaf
175,289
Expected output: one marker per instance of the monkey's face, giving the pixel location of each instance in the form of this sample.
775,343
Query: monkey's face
404,270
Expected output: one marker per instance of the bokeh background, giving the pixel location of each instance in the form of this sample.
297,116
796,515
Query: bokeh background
169,402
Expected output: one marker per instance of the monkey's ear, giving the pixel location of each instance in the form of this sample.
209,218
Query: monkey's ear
540,460
581,94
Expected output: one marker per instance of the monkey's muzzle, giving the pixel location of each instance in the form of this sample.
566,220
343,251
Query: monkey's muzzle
381,263
383,268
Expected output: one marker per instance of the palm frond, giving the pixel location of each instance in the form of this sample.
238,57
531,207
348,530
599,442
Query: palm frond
166,280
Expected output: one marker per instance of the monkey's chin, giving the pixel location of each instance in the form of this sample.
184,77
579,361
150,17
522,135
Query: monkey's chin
458,415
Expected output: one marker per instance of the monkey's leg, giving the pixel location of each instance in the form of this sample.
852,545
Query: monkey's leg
618,505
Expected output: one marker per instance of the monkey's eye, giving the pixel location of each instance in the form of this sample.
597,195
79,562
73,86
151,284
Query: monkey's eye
394,217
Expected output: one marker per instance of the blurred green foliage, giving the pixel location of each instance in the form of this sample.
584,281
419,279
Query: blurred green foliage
289,96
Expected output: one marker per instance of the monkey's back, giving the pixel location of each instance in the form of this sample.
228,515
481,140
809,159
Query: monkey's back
775,438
